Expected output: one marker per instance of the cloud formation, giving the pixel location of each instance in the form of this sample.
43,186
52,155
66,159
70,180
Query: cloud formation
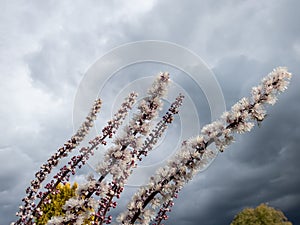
45,49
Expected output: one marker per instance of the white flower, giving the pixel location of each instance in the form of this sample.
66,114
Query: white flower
149,213
72,203
55,220
258,112
256,93
79,220
155,202
121,217
244,127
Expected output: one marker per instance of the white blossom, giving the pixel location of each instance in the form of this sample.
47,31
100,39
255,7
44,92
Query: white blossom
57,220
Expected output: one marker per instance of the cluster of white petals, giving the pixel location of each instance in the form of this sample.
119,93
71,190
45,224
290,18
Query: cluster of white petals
119,155
160,128
120,158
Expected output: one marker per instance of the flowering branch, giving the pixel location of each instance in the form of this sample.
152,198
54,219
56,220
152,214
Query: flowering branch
118,158
64,173
160,128
194,154
115,188
85,152
46,168
162,213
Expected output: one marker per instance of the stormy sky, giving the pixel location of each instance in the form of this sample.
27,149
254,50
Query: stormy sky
46,48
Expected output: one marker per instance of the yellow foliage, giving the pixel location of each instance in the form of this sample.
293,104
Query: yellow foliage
54,208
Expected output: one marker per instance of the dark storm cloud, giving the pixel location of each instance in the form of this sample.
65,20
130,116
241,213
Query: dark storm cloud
54,43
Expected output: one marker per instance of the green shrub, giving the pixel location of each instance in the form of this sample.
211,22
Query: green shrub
261,215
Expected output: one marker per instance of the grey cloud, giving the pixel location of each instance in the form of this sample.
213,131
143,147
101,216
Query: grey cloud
242,41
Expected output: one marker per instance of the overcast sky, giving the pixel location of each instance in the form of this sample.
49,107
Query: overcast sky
46,48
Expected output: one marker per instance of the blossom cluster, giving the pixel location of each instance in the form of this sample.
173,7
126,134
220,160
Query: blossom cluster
116,186
121,157
195,154
138,128
79,160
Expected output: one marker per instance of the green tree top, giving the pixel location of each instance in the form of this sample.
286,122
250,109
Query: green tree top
261,215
